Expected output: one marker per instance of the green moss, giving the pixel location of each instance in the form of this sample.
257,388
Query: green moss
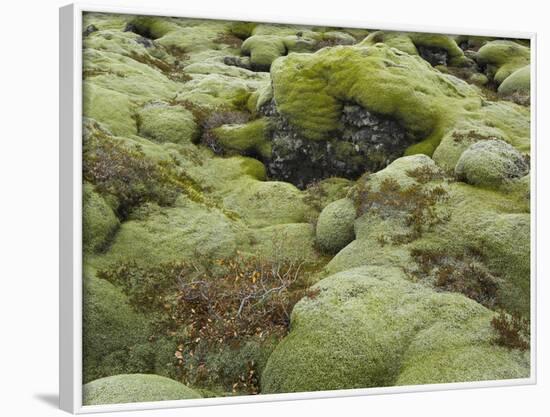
167,124
176,233
152,27
120,389
111,330
335,225
503,57
215,91
293,241
251,137
262,204
99,220
254,168
445,42
368,326
491,163
396,40
263,49
473,221
495,120
379,78
113,109
518,82
242,29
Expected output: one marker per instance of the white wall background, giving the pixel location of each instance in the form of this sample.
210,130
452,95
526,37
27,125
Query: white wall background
29,195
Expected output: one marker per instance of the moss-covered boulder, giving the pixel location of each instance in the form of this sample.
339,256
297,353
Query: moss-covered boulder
112,331
167,124
335,225
382,80
469,225
491,163
502,120
263,50
114,110
503,57
130,388
250,138
370,327
156,235
518,82
262,204
99,222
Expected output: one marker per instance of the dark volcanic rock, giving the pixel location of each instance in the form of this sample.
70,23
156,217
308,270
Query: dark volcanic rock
366,142
89,29
435,56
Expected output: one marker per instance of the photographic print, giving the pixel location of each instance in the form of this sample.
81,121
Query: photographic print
271,208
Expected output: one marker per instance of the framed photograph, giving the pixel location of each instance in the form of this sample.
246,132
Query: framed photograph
256,210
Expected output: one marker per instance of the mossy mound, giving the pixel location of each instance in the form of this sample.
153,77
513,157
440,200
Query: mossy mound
466,224
495,120
335,225
292,242
368,327
250,138
113,333
491,163
263,50
262,204
167,124
121,389
503,57
99,221
175,233
518,82
378,78
114,110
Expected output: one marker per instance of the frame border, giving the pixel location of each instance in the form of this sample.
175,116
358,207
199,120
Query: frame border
70,210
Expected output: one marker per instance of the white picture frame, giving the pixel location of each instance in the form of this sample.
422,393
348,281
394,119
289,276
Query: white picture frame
70,152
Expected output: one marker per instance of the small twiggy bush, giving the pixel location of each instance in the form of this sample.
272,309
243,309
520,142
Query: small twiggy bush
513,331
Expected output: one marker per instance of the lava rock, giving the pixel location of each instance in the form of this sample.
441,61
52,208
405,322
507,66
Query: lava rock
365,142
435,56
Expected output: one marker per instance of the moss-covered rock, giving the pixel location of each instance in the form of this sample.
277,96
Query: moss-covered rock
292,241
99,222
250,138
369,326
113,109
381,79
263,50
130,388
335,225
501,120
517,82
491,163
262,204
503,57
175,233
111,331
167,124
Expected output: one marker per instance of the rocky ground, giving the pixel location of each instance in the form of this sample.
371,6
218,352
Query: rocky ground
272,208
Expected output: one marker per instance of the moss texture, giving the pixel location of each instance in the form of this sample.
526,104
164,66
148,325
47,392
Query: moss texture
167,124
503,57
517,82
491,163
99,221
121,389
370,327
154,86
335,225
111,331
250,138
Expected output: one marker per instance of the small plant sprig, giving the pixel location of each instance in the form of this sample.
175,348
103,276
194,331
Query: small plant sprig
513,331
